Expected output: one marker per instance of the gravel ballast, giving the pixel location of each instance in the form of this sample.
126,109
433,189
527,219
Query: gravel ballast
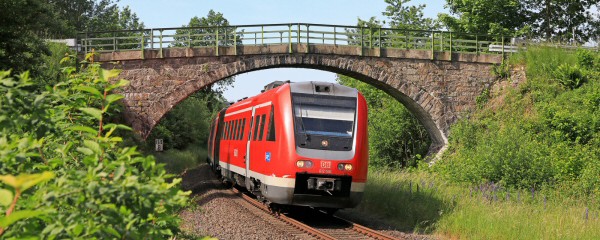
218,212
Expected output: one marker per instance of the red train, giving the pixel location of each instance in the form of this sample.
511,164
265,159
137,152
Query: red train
295,144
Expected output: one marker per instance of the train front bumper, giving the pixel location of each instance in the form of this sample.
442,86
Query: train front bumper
316,190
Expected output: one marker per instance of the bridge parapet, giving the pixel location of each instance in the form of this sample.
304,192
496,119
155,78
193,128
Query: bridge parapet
295,38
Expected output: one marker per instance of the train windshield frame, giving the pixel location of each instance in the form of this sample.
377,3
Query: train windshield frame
324,121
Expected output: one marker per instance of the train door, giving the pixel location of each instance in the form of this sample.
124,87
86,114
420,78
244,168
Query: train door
247,160
259,157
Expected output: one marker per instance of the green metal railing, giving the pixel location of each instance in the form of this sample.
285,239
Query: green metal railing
291,34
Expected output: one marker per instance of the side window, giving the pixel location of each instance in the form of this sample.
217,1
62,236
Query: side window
231,130
256,124
227,132
224,131
235,129
262,127
239,130
250,128
271,131
241,137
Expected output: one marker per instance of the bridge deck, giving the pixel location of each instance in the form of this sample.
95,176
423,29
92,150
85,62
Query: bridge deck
296,48
292,38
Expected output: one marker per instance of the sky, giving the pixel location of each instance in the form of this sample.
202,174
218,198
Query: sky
175,13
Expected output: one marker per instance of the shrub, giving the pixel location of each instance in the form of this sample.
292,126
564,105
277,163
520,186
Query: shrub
585,58
101,189
570,76
542,136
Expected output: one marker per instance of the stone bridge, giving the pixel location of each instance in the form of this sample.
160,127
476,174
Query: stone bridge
437,87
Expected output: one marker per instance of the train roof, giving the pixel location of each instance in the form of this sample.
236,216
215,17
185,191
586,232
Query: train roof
309,87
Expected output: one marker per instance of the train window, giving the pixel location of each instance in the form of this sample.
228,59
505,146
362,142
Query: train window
234,130
256,124
224,130
238,130
262,127
271,131
229,130
227,126
243,127
250,128
233,126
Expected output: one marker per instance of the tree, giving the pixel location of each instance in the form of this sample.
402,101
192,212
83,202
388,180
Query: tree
563,20
203,31
23,26
550,20
408,17
92,16
501,17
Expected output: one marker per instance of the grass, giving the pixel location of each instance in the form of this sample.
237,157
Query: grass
457,211
176,161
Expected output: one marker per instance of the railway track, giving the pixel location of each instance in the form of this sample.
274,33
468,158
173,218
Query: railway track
319,225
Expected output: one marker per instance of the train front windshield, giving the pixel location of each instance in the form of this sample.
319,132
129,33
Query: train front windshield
324,122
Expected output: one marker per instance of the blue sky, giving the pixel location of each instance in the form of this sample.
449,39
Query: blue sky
174,13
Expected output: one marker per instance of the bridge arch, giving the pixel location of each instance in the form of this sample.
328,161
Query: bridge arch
436,92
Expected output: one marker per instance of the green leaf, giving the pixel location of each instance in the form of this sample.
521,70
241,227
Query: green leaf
35,179
6,197
112,231
108,74
94,112
119,172
114,97
120,83
25,181
94,146
84,129
10,180
38,100
89,89
78,229
118,126
18,215
85,151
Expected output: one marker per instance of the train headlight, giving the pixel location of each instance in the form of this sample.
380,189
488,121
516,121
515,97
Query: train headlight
345,166
348,167
304,164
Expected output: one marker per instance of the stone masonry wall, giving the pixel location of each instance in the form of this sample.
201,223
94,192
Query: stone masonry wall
437,92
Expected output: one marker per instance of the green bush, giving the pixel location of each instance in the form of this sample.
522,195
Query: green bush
570,76
586,58
543,136
101,189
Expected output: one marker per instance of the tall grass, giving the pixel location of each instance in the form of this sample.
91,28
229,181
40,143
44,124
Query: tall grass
176,161
487,211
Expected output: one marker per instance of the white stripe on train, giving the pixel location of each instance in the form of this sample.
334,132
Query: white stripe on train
279,181
248,109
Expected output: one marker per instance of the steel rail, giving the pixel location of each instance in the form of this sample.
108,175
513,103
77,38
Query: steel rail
301,226
367,231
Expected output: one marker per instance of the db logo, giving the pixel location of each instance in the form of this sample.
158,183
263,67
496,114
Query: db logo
325,164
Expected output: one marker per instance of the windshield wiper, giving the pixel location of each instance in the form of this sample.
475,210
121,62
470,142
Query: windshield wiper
306,135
